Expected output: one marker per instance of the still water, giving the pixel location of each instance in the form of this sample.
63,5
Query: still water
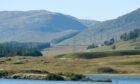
116,80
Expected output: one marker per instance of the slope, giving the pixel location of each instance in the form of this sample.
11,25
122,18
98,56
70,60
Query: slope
36,25
108,29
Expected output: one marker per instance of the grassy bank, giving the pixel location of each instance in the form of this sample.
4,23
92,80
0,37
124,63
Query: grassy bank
45,75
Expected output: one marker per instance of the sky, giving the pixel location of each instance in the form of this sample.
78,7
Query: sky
84,9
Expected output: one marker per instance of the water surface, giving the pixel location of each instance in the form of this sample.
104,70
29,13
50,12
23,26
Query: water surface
116,80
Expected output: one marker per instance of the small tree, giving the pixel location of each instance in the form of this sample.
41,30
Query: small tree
124,37
110,42
92,46
131,35
113,47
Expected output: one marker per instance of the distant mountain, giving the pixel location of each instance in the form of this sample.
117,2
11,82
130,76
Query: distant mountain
36,25
106,30
88,23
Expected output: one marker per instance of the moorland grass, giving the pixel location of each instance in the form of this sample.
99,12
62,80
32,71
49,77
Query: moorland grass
89,55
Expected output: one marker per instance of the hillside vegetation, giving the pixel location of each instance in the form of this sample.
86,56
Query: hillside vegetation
90,55
22,49
127,41
36,45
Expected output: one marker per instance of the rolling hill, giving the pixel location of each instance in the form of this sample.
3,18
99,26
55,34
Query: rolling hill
36,25
106,30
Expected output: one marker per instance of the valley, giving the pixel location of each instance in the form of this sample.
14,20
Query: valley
48,45
70,42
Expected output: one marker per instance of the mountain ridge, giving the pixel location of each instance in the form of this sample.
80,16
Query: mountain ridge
36,25
106,30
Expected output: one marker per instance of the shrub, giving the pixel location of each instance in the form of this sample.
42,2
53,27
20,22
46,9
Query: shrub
106,70
113,47
72,76
76,77
20,62
2,61
8,59
3,73
54,77
110,42
35,71
16,77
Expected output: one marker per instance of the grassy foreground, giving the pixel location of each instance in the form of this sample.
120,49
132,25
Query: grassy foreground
126,65
38,68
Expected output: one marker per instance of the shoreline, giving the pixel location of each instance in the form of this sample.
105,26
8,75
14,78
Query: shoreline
45,75
116,75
